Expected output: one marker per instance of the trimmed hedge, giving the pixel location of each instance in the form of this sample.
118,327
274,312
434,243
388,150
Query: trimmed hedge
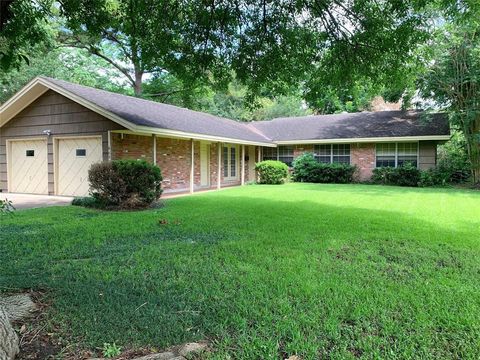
307,169
272,172
405,175
125,183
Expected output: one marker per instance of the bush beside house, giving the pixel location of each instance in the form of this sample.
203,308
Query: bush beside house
126,184
307,169
271,172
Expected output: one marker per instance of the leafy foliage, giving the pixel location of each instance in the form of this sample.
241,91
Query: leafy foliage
307,169
125,183
452,81
405,175
23,26
6,207
271,172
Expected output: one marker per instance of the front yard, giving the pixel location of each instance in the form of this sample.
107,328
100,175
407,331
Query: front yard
264,272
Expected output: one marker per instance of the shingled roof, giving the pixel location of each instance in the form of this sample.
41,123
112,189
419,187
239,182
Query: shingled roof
162,116
362,125
150,116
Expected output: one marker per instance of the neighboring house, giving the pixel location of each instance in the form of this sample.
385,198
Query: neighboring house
51,131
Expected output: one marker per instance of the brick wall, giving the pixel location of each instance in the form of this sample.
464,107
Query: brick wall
174,159
363,156
132,147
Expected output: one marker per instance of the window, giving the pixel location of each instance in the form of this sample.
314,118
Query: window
30,153
341,153
230,162
285,154
396,154
270,153
407,152
323,153
386,155
332,153
81,152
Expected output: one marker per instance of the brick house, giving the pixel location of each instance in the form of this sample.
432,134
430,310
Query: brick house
51,131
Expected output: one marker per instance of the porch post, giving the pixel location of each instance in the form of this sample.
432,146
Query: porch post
219,166
243,165
109,145
154,149
259,154
192,167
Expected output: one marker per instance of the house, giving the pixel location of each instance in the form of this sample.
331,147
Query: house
51,131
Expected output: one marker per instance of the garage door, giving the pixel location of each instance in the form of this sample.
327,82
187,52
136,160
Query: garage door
28,166
75,156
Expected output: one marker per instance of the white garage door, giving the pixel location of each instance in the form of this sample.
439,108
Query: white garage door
75,156
28,166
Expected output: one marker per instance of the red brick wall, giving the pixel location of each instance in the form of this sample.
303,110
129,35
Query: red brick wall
174,159
363,156
132,147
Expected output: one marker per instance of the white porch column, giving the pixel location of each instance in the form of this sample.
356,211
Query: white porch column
192,168
259,153
219,166
243,165
154,149
109,145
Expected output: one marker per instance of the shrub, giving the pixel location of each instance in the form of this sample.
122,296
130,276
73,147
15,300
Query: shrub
272,172
88,201
383,175
303,167
124,183
307,169
453,165
6,207
405,175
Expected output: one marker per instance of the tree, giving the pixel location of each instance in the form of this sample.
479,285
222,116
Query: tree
272,43
66,64
452,80
22,25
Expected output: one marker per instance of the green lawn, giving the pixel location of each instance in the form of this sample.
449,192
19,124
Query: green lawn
322,271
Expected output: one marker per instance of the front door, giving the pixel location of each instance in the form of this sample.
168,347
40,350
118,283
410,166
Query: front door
204,164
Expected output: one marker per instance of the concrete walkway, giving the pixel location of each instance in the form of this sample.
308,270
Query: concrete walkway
29,201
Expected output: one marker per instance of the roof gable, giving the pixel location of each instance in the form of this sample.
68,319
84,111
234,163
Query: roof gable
151,117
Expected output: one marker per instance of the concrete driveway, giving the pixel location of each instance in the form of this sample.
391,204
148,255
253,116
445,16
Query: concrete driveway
28,201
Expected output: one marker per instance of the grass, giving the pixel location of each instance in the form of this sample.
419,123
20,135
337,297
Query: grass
322,271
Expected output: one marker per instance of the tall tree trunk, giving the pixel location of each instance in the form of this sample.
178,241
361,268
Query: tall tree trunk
137,86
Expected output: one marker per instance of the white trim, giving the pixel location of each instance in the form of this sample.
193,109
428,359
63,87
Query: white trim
242,164
192,167
109,144
115,118
219,165
229,166
365,140
154,149
182,134
396,154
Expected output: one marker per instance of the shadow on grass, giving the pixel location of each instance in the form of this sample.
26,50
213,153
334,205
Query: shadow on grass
262,276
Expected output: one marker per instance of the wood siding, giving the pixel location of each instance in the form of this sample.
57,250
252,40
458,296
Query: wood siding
427,154
60,115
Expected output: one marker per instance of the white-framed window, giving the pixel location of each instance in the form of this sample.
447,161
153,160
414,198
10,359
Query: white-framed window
332,153
270,153
283,153
396,154
230,162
